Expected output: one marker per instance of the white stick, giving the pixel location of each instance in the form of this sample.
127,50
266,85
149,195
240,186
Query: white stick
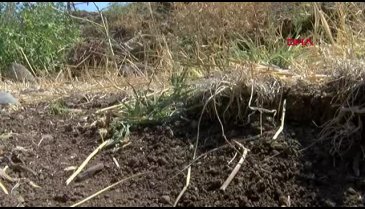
185,187
86,161
282,122
105,189
236,169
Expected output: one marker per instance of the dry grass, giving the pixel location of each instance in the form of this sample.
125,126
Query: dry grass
54,89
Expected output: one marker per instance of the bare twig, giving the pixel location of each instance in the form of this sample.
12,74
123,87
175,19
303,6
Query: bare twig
185,187
116,162
87,160
282,122
260,109
3,188
196,143
25,57
79,18
105,189
236,169
105,26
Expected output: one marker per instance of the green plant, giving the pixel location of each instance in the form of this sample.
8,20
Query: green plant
58,108
157,107
43,31
275,52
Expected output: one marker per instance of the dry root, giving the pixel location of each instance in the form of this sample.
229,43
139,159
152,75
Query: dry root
346,128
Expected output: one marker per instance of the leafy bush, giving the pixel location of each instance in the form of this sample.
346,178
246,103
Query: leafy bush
43,31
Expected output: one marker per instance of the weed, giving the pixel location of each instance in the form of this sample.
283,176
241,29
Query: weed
43,33
58,108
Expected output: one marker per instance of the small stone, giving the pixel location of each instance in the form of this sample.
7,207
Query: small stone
170,132
19,73
133,162
20,199
283,200
47,137
162,161
275,152
21,117
329,203
166,199
277,146
6,98
351,190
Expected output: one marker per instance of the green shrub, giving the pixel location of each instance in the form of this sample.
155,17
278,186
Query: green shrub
43,31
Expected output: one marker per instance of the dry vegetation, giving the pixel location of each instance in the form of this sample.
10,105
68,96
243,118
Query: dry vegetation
227,62
229,48
238,41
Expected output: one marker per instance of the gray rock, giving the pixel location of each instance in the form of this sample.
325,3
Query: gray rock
7,98
19,73
329,203
352,191
166,199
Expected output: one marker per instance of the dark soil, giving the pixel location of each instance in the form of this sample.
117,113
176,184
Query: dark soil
273,170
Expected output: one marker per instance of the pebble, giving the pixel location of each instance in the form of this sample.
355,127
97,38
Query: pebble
351,191
47,137
329,203
277,146
162,161
20,199
275,152
283,200
7,98
166,199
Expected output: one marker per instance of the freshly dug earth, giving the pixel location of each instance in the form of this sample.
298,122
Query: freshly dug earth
274,173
